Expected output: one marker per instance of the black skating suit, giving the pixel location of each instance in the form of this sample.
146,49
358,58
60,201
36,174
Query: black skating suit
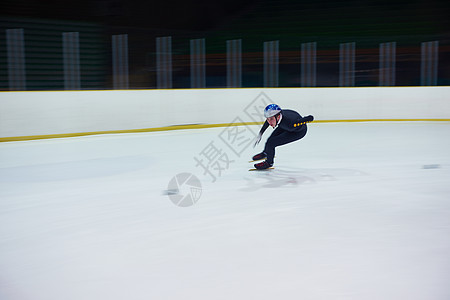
292,127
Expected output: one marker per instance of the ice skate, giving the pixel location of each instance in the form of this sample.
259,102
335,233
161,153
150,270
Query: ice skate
263,165
259,156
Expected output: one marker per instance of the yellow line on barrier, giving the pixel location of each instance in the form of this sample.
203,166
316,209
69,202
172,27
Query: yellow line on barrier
78,134
381,120
193,126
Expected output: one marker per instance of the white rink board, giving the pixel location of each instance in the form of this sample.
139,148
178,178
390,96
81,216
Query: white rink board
66,112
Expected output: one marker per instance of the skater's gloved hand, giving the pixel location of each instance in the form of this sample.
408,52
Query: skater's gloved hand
258,139
309,118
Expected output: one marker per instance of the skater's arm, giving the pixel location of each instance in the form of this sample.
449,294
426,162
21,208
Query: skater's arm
263,128
299,123
306,119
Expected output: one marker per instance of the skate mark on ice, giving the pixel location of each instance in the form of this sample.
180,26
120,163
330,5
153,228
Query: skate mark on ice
292,178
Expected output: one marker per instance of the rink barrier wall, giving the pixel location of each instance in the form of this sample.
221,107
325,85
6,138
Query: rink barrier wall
59,114
194,126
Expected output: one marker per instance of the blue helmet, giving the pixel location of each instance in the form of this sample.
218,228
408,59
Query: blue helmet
271,110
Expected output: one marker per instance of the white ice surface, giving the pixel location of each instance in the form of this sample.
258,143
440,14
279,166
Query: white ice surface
352,211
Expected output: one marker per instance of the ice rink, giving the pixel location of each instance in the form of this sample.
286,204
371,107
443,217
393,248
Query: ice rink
352,211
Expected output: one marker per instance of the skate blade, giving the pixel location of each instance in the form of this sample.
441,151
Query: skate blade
271,168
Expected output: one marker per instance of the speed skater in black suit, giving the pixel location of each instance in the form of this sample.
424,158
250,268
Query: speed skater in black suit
289,126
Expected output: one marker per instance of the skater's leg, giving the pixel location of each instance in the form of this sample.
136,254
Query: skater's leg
278,139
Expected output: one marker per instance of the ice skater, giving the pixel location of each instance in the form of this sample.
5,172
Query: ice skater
289,126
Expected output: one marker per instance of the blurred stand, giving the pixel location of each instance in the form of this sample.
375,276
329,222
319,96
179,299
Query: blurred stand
131,45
